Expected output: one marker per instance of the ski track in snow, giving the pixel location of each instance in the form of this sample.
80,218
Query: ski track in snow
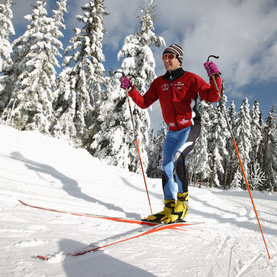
47,172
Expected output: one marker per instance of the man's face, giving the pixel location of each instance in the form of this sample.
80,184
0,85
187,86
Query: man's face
171,63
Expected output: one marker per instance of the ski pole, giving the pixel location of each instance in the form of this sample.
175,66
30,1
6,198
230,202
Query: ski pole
240,162
137,144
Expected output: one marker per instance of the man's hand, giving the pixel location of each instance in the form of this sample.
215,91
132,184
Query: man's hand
211,68
125,83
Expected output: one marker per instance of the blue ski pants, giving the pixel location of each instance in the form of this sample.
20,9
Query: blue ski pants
176,147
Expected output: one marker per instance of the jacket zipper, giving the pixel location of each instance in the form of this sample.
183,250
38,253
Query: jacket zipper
175,117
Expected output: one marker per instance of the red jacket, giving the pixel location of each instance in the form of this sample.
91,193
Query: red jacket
177,93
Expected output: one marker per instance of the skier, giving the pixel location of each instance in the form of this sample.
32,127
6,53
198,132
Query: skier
177,91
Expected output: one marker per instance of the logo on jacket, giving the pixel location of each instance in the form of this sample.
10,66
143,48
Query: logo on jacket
165,87
184,121
179,85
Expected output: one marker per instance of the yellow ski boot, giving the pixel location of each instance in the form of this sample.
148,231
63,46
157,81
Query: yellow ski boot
180,210
163,215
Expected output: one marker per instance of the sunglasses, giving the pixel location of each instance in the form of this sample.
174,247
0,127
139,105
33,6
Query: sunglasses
169,56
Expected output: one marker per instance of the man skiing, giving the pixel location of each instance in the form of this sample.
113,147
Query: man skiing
177,92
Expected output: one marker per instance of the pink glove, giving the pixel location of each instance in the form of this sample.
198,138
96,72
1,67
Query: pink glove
211,68
125,82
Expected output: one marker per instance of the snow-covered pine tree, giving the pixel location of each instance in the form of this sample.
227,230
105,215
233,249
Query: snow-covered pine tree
212,112
155,151
237,179
112,143
58,14
256,130
6,31
269,150
231,159
198,160
115,142
218,145
232,115
257,177
139,65
150,148
79,84
151,139
33,75
243,137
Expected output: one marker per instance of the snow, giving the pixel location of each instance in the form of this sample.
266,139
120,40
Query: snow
47,172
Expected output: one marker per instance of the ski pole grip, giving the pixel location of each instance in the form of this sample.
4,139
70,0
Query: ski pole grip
213,77
120,72
212,56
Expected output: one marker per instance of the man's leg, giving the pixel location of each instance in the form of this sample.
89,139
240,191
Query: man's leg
185,145
167,179
168,165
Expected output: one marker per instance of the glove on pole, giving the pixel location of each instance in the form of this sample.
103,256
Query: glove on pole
126,84
240,161
212,70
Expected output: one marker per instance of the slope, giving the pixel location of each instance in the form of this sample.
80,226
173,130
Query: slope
48,172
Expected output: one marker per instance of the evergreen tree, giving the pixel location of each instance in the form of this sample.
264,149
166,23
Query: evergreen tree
58,16
243,136
155,152
237,180
33,75
256,130
112,143
6,31
198,160
150,148
115,142
218,144
232,115
257,177
212,112
269,149
79,84
231,160
139,64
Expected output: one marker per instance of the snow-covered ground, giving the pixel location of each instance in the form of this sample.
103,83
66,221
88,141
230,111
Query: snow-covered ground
47,172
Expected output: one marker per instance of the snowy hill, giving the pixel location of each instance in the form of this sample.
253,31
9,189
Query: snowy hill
47,172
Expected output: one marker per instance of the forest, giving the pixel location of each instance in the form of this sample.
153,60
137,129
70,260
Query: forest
83,104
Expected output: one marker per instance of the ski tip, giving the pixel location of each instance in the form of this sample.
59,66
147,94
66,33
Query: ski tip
44,258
